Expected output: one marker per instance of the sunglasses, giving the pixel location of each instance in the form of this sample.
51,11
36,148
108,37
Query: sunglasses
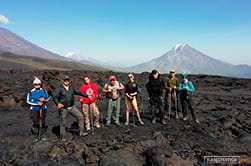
66,80
36,84
112,80
130,76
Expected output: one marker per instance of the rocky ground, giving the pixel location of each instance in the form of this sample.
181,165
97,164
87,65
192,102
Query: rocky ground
222,104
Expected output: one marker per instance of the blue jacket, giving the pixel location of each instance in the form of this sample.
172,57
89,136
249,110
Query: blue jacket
33,99
188,84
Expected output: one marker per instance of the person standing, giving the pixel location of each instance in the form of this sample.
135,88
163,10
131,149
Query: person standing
186,90
171,85
90,89
131,91
64,100
112,90
37,99
155,87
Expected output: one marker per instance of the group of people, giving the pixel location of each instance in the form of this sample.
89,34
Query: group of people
88,92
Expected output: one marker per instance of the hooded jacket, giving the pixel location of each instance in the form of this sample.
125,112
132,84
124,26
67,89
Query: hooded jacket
155,86
91,90
33,99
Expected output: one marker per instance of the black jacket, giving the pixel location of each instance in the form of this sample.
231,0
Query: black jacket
66,97
155,87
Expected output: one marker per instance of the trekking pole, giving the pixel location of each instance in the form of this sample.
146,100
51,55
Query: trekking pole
101,113
133,117
170,103
91,117
40,124
176,104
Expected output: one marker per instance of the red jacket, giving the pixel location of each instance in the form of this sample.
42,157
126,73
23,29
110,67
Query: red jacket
90,89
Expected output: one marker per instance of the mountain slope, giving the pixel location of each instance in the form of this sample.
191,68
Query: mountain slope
13,61
184,58
10,42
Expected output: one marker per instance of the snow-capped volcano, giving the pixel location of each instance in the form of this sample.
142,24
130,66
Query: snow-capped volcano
184,58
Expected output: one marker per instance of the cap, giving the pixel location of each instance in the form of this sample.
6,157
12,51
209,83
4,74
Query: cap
184,75
66,77
172,71
36,81
154,71
112,78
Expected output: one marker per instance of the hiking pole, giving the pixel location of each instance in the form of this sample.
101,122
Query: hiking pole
40,125
91,117
170,103
175,104
101,113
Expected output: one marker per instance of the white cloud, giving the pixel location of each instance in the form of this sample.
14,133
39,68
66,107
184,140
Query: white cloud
4,19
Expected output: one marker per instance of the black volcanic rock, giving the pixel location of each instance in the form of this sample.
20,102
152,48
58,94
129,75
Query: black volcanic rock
222,105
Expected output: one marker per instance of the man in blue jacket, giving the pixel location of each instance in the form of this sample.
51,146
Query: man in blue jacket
37,99
186,89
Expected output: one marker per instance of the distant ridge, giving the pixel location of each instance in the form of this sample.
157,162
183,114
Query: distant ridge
11,42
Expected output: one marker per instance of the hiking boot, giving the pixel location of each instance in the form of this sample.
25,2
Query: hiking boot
163,122
153,121
117,123
197,121
141,122
108,123
44,138
63,139
35,140
97,125
127,123
185,118
83,134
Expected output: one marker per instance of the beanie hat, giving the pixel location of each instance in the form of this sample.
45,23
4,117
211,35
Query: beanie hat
36,81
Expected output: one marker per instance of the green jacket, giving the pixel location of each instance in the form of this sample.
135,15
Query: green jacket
171,82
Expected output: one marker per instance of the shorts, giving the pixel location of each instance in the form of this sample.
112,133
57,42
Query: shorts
132,102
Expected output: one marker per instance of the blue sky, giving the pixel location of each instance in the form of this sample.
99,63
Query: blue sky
129,32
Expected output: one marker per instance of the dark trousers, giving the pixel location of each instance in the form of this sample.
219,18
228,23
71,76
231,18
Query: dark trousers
63,113
36,118
186,104
156,104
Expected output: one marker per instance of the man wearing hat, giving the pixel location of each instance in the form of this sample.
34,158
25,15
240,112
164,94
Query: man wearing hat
37,99
64,100
186,90
155,87
171,85
112,93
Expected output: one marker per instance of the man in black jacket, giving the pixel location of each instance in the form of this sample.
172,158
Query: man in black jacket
64,99
155,87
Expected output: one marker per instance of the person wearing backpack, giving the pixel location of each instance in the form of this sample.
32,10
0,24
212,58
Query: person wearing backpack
155,87
112,90
186,90
37,99
90,89
131,91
